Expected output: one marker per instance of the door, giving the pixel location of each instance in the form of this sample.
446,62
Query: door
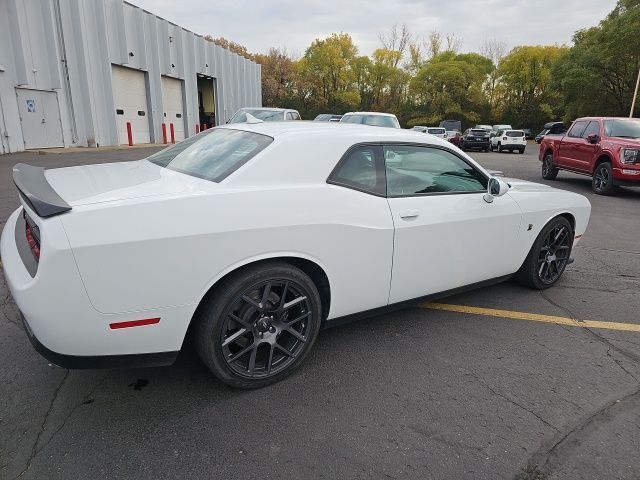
40,118
173,107
130,97
446,234
570,145
586,151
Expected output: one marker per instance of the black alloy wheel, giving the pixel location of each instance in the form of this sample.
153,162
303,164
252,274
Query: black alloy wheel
554,254
549,171
257,327
266,328
549,255
602,182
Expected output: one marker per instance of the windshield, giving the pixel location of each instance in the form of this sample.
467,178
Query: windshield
264,115
622,128
213,154
373,120
515,133
436,131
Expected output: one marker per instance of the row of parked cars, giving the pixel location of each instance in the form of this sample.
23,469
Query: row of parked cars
377,119
486,138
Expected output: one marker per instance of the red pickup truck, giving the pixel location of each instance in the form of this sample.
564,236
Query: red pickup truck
605,148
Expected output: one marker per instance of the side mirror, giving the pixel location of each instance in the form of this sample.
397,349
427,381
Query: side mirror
496,188
593,138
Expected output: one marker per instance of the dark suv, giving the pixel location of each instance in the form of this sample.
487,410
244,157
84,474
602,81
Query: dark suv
475,138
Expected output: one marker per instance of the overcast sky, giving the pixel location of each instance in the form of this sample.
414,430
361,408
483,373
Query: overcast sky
294,24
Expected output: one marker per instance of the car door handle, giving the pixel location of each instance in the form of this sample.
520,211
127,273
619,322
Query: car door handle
409,214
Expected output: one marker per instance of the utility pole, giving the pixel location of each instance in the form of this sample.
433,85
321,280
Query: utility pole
635,95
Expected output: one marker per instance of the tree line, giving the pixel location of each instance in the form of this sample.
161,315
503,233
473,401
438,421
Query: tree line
426,80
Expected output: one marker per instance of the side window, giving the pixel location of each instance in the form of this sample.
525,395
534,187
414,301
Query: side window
413,170
359,170
576,130
289,116
593,127
295,116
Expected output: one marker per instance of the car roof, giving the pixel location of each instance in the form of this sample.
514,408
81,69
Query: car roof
274,109
382,114
335,130
604,118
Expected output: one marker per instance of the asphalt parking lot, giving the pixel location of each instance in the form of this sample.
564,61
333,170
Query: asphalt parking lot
470,388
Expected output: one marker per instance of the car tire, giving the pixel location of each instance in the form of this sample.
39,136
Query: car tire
490,148
499,147
271,344
547,259
549,171
602,181
521,151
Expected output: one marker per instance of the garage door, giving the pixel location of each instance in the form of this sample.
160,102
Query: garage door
130,97
40,118
173,107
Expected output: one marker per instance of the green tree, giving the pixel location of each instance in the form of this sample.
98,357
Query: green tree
597,75
450,86
525,91
328,63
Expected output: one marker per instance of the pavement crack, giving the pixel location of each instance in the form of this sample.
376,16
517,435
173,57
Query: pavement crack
629,355
84,401
619,363
602,249
510,400
546,458
43,425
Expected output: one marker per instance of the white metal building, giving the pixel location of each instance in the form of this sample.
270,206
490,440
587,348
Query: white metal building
76,72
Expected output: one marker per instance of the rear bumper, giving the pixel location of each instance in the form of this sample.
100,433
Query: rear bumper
61,322
476,144
513,146
99,361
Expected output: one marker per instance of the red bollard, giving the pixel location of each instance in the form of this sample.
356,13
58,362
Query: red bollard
204,126
173,134
164,133
129,134
197,128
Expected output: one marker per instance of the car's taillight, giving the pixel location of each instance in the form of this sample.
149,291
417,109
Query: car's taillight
32,240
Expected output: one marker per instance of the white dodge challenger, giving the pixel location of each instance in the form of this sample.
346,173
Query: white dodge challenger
254,236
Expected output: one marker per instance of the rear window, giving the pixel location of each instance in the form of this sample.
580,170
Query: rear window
213,154
264,115
436,131
515,133
478,132
373,120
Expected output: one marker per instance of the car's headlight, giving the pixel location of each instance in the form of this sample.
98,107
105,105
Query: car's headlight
630,155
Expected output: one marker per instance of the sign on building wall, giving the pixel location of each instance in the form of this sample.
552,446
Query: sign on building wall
31,106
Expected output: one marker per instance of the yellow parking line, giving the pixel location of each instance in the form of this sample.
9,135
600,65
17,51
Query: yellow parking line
534,317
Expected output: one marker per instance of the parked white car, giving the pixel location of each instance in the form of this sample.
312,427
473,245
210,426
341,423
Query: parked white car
375,119
435,131
498,127
510,140
265,114
255,235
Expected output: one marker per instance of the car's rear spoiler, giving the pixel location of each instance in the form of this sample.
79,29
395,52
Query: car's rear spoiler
36,191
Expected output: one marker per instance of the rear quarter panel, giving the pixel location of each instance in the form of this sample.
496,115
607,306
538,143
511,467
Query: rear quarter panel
153,254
